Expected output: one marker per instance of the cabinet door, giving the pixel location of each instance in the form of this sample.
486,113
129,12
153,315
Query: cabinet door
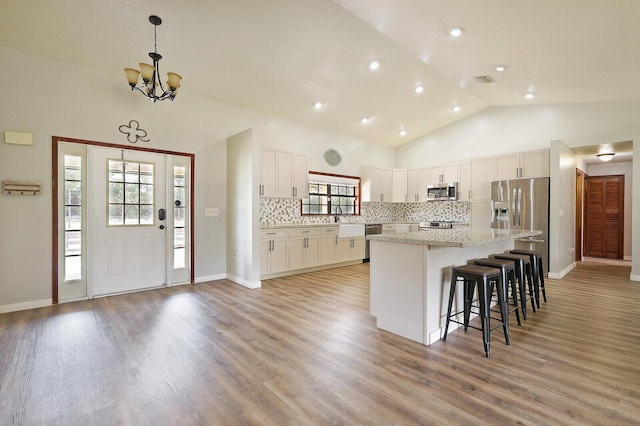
279,256
265,255
386,185
423,179
434,174
285,174
482,172
312,252
343,249
269,172
412,185
450,172
296,252
357,249
327,249
464,181
534,164
507,166
301,177
399,186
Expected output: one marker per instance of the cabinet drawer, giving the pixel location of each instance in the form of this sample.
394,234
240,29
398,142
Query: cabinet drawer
303,232
273,233
330,230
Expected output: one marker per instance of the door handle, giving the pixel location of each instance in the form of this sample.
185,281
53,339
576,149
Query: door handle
161,214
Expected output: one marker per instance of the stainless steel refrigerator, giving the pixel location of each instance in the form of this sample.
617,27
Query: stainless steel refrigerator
523,204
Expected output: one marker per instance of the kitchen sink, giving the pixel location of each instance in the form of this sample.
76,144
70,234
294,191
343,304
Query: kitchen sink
350,230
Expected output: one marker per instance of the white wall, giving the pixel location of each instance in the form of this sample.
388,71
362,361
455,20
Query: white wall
626,169
499,130
562,216
50,98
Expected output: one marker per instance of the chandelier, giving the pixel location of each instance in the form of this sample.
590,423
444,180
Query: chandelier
151,85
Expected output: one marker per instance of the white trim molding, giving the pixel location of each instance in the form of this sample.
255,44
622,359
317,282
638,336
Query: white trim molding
25,305
561,274
208,278
245,283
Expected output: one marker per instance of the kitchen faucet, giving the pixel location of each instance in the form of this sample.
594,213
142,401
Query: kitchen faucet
338,211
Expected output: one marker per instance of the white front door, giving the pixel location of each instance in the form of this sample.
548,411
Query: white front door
127,229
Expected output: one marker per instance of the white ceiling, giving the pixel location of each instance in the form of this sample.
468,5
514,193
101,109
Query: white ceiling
280,56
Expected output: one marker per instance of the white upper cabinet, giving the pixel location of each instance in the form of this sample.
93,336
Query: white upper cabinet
464,181
400,186
376,184
283,174
269,172
417,184
482,174
528,164
301,176
443,173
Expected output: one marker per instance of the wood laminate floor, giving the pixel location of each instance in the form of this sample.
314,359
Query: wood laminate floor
304,350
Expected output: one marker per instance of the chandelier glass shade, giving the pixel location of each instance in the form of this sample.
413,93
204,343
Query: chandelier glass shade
151,85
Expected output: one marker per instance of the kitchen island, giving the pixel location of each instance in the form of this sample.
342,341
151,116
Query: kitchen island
411,275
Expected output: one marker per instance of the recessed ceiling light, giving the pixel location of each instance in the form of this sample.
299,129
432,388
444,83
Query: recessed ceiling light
318,105
419,89
374,65
529,95
501,68
403,133
455,108
365,120
456,31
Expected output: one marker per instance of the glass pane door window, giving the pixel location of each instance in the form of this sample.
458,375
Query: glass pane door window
131,193
72,218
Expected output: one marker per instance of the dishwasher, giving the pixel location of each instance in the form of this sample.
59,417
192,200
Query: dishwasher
370,229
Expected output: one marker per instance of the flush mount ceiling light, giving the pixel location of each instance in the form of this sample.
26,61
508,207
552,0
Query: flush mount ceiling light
529,96
318,105
419,89
455,31
365,120
403,133
606,156
500,68
151,85
374,65
455,108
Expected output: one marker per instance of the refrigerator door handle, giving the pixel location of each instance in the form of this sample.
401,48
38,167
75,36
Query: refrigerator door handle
514,207
519,208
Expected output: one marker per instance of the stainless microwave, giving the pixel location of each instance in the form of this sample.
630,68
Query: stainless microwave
442,191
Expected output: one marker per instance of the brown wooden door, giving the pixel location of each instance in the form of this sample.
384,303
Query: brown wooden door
604,216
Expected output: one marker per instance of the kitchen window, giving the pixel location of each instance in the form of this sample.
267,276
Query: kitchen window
332,195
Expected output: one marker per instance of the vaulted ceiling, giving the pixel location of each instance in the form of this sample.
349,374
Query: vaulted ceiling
281,56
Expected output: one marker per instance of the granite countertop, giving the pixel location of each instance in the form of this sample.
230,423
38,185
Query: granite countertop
455,237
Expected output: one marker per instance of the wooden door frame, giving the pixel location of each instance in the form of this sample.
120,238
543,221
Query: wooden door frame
54,202
580,190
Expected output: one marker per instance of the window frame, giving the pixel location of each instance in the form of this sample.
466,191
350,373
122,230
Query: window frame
330,179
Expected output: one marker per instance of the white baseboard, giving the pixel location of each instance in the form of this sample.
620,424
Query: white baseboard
244,282
561,274
634,277
210,278
25,305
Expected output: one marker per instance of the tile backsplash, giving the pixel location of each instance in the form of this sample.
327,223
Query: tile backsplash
274,211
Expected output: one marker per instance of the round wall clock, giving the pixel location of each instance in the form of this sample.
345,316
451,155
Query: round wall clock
332,157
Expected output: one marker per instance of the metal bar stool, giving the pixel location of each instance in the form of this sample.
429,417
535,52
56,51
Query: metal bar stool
538,271
525,278
485,279
507,267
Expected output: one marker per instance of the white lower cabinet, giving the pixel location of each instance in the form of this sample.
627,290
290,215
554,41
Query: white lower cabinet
348,249
274,253
304,248
290,249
